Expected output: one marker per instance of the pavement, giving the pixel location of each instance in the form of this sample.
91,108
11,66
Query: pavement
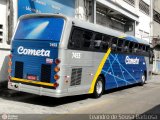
128,100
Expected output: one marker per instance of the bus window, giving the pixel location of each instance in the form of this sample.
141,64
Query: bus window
147,48
114,44
106,41
131,45
126,46
140,48
144,48
120,45
135,49
87,38
98,41
76,38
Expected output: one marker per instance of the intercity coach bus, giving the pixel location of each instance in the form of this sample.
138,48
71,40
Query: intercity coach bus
53,55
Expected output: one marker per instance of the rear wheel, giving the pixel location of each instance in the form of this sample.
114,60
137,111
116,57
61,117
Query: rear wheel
143,80
99,87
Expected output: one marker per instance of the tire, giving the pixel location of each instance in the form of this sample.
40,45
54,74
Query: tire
98,88
143,80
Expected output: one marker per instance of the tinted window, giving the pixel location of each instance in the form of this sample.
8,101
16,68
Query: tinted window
76,38
120,45
98,41
87,39
126,46
40,29
106,42
114,44
131,45
135,49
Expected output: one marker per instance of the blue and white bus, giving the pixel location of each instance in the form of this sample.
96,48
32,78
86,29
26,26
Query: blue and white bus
57,56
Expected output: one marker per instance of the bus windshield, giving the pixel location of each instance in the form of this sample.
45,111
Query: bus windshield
40,28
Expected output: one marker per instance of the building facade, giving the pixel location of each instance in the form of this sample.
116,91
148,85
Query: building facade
131,17
156,36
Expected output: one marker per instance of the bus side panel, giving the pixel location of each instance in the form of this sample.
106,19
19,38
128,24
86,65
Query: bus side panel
119,73
79,68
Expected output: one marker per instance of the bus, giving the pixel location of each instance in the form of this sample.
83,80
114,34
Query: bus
11,10
54,55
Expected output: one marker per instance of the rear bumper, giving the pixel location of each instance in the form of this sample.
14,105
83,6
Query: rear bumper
36,90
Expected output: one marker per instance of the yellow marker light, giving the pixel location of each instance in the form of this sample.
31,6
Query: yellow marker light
57,69
9,63
56,77
9,70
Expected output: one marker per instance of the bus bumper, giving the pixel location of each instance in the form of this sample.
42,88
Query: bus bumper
36,90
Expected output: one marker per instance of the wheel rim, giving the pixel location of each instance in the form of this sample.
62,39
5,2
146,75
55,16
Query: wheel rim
99,87
143,78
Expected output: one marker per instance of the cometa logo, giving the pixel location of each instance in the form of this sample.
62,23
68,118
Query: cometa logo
24,51
129,60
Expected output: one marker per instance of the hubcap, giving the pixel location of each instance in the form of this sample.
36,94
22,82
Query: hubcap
143,78
99,87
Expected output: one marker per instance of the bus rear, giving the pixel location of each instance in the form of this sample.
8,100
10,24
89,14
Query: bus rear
34,61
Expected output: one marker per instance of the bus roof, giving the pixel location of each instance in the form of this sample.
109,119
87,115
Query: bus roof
90,26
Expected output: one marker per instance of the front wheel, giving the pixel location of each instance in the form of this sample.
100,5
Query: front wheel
99,88
143,80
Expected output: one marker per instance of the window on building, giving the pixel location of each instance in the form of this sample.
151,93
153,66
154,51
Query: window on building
144,7
156,16
131,2
1,33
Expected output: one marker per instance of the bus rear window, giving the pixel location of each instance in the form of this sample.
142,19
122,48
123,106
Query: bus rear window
41,28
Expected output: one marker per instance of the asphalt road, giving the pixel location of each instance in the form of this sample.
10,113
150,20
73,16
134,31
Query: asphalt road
129,100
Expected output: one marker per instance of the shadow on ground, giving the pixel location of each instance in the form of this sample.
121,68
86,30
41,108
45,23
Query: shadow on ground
152,114
49,101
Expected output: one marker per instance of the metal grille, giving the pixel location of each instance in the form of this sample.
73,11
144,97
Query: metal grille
131,2
1,33
18,69
45,73
144,7
76,76
156,16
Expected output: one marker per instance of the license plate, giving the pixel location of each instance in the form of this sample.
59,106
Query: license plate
32,77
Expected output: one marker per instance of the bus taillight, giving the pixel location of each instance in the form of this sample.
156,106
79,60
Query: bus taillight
56,77
55,85
56,69
57,61
9,63
10,56
9,70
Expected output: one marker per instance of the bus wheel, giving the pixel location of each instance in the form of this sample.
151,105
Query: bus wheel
99,88
143,80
